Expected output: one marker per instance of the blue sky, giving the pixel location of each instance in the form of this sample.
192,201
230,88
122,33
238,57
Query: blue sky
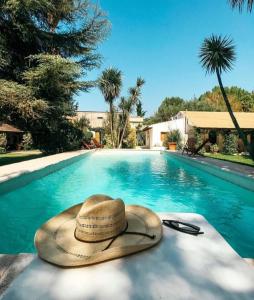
159,40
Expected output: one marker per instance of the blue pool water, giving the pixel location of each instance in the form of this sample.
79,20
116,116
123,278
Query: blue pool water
158,181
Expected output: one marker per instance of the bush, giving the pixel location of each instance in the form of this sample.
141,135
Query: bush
141,138
2,150
107,141
66,137
230,144
199,142
131,140
27,141
88,135
214,148
3,142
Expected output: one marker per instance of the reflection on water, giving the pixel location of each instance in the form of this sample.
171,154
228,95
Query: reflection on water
157,181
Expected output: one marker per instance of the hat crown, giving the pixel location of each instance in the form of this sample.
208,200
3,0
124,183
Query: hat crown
100,218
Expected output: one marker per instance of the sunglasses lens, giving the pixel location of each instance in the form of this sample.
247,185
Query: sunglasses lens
184,227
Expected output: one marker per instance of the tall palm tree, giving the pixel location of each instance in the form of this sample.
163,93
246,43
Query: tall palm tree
125,107
128,105
241,3
217,54
110,84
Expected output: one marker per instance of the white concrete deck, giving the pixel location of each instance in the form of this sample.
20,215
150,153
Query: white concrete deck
181,267
14,170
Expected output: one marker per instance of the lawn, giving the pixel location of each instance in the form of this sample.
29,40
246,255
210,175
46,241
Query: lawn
17,156
240,159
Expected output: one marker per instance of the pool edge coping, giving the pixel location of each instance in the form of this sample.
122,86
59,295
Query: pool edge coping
12,171
214,168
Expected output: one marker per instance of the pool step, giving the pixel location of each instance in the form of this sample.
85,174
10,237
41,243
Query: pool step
11,266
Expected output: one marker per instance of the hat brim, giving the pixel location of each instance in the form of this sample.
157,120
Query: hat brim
56,243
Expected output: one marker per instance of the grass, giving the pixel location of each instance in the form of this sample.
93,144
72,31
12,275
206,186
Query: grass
240,159
18,156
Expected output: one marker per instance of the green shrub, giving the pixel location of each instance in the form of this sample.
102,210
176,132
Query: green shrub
65,138
2,150
27,141
230,144
141,138
199,142
3,142
131,140
88,135
107,141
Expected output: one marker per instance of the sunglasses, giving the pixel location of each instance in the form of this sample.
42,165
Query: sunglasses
183,227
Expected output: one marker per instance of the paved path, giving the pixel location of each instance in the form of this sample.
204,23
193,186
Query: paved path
181,267
243,169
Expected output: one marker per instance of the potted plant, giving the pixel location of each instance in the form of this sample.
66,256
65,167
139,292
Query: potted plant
172,140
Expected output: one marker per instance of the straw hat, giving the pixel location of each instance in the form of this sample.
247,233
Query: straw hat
100,229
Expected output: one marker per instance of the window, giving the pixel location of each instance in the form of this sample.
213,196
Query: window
100,118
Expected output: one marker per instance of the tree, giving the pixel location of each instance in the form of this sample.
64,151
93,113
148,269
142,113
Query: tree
139,109
55,79
71,29
241,3
217,54
19,106
125,106
128,105
240,99
110,84
170,107
45,46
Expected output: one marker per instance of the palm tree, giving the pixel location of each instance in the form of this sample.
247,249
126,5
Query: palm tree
240,4
217,54
125,107
129,104
110,84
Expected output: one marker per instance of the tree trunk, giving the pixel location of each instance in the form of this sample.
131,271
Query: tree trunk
119,129
241,134
112,123
123,132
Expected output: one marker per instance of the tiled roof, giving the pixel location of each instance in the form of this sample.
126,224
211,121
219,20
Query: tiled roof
8,128
205,119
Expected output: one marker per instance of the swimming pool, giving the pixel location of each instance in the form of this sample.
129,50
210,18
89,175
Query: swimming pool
161,182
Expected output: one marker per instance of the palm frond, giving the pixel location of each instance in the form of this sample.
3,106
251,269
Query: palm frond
110,83
140,82
217,53
241,3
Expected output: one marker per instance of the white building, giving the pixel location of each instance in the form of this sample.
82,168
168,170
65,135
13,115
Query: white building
204,121
97,121
98,118
156,133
